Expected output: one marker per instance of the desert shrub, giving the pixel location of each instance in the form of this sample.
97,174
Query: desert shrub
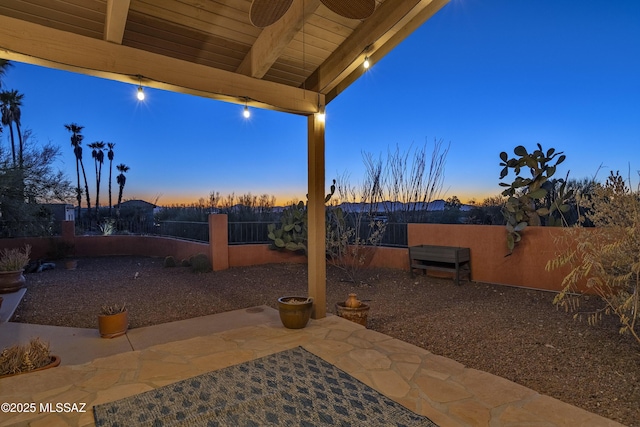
107,227
169,262
352,234
24,358
605,258
111,309
200,263
185,263
14,259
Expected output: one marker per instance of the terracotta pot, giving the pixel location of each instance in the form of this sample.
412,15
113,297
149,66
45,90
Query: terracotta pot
113,325
11,281
55,361
358,314
295,311
71,264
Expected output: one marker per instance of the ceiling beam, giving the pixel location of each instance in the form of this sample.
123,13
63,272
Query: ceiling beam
116,20
35,44
392,39
375,31
275,38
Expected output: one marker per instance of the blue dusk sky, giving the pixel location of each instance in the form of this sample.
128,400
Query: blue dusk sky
482,75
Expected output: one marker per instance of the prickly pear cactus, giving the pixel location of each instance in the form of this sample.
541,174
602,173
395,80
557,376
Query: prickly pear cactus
538,200
292,233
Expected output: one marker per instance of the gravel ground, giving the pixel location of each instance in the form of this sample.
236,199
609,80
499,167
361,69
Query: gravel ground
515,333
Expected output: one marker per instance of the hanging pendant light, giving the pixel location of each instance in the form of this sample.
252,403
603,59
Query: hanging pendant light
140,93
246,113
321,115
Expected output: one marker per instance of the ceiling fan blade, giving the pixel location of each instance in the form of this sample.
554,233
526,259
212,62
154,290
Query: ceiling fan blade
353,9
266,12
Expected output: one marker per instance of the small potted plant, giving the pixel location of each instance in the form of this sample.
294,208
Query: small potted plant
19,359
113,320
295,311
12,263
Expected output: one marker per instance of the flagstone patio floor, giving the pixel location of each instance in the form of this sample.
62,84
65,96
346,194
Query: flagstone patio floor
96,370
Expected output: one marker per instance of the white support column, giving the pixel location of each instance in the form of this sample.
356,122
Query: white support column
317,263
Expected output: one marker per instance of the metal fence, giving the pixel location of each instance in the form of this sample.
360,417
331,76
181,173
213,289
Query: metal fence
189,230
395,235
116,226
248,232
29,228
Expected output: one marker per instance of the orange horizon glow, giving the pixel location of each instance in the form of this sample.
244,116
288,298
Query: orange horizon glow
284,199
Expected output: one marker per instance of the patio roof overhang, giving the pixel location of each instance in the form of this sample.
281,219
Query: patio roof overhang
210,48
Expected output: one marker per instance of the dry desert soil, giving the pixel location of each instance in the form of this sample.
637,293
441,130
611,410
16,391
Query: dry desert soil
515,333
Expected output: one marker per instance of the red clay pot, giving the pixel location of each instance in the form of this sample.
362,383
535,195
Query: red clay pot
11,281
55,361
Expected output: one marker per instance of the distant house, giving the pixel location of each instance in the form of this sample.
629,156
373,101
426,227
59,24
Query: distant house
61,211
138,210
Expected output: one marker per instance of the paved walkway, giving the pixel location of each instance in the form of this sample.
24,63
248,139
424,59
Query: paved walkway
440,388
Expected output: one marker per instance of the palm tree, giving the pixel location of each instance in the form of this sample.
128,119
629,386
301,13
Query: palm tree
121,180
4,67
110,157
76,139
10,101
97,152
76,143
15,103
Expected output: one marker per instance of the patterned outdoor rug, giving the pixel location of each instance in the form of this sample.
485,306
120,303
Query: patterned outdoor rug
290,388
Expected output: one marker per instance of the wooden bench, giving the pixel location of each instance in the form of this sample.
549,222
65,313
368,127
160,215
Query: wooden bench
441,258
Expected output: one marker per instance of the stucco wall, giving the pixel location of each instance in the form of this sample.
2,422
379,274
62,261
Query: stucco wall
137,245
88,246
490,261
244,255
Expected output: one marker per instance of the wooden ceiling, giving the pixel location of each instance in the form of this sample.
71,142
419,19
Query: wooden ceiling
209,47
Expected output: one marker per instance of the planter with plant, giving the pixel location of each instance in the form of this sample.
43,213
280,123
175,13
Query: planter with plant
71,264
12,264
113,320
295,311
63,250
354,310
20,359
69,251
